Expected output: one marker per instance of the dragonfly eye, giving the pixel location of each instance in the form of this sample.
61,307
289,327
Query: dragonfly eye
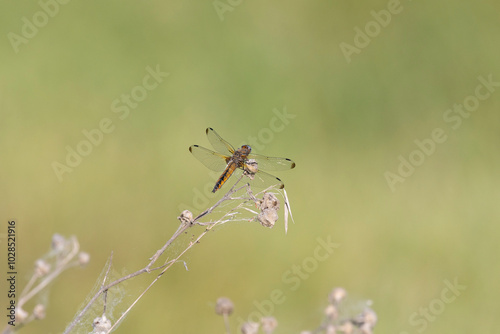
247,147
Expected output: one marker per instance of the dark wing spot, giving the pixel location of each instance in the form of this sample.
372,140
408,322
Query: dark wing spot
191,148
282,184
293,163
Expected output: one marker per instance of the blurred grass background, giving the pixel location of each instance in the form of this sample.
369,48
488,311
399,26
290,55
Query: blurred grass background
351,122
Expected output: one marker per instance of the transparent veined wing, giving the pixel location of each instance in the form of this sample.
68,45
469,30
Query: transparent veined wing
212,160
272,163
261,180
219,144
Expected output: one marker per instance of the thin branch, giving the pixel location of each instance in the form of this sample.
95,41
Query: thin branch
226,322
185,224
51,276
110,261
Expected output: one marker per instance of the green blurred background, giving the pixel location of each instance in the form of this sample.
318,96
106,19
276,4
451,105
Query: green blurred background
351,121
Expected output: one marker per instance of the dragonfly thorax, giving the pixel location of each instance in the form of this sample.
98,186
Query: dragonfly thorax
240,155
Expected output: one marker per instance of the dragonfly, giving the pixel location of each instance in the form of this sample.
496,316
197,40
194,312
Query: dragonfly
229,161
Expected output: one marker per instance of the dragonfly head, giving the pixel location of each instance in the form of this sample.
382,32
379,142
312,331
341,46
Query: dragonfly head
246,149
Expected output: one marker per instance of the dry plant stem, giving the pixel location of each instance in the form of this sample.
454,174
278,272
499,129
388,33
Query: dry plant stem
102,290
29,293
182,228
60,267
226,322
104,282
30,283
191,244
170,263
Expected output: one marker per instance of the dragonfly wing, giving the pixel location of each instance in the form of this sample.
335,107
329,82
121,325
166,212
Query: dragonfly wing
213,160
261,180
219,144
272,163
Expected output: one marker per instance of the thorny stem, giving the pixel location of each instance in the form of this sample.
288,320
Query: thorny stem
182,228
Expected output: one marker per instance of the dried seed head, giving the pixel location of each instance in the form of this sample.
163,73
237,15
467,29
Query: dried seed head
331,312
101,325
330,329
251,167
224,306
42,268
21,315
186,217
83,258
58,243
269,201
39,311
337,295
267,217
269,206
347,327
250,328
366,329
269,324
368,317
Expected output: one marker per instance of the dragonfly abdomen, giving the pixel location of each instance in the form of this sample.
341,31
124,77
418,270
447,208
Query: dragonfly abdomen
225,175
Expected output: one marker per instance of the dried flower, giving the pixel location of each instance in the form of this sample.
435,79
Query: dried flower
337,295
366,328
186,217
21,315
269,206
366,321
346,328
268,218
250,328
224,306
42,268
83,258
58,243
370,317
330,329
269,201
269,324
39,311
331,312
251,167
